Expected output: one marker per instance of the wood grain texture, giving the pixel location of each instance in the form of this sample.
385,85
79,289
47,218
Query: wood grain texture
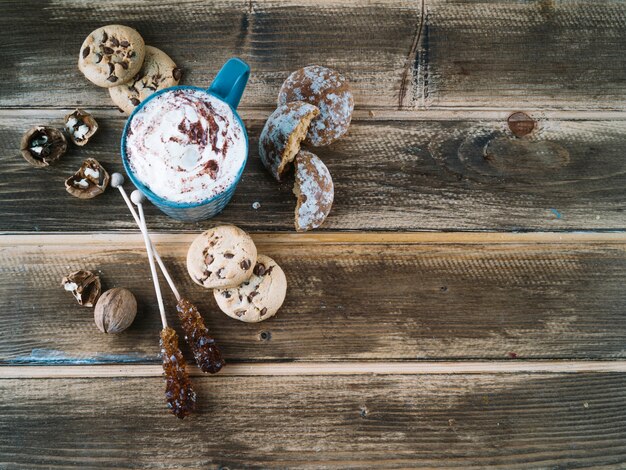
344,368
544,54
359,301
389,175
450,53
392,350
512,421
368,42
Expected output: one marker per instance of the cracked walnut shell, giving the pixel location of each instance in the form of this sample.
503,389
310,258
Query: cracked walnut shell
80,126
89,181
43,145
84,285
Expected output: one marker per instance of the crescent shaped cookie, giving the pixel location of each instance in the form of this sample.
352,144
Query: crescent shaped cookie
314,189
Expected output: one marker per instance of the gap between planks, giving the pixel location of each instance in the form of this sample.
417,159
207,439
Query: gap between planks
324,368
9,240
374,114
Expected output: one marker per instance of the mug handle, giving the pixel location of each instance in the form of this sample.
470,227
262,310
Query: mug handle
231,81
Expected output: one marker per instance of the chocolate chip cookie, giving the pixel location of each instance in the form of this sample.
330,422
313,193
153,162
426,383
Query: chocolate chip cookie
281,136
330,92
314,189
158,72
257,298
111,55
221,257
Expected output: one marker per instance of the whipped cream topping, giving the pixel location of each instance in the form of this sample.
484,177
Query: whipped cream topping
185,145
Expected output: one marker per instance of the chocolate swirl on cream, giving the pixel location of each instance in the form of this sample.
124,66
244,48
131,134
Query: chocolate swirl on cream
185,145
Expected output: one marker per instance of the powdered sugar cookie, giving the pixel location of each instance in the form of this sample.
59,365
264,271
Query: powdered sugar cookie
314,189
281,136
330,92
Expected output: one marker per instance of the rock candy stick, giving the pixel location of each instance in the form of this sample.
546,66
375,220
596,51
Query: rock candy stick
179,393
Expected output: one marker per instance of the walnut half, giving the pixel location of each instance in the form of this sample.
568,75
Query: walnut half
80,125
89,181
43,145
84,285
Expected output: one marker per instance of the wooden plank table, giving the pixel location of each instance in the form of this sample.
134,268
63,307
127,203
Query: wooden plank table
462,306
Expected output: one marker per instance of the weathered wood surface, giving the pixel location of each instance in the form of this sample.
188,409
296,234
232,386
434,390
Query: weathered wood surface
451,53
544,53
361,300
510,421
388,175
392,350
369,42
326,368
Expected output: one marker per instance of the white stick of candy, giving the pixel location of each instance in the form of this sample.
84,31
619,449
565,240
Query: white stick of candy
138,199
117,180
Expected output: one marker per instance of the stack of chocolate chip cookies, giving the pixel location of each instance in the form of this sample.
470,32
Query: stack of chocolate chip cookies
315,107
116,57
247,286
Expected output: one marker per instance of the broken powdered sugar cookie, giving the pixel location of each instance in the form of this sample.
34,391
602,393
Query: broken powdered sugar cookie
330,92
158,72
314,189
221,257
281,136
111,55
259,297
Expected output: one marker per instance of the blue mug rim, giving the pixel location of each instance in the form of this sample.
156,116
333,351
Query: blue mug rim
147,191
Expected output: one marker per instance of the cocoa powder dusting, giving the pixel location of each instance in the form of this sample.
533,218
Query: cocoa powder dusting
194,130
208,113
211,168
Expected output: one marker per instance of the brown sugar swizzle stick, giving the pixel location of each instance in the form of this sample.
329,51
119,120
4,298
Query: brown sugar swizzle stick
180,396
205,350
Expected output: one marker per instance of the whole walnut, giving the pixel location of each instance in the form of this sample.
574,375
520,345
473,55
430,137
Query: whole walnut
115,310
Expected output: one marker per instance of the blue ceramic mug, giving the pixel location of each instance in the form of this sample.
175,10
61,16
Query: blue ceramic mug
228,86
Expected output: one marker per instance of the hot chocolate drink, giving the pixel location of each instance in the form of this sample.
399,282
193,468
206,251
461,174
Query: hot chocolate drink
186,146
